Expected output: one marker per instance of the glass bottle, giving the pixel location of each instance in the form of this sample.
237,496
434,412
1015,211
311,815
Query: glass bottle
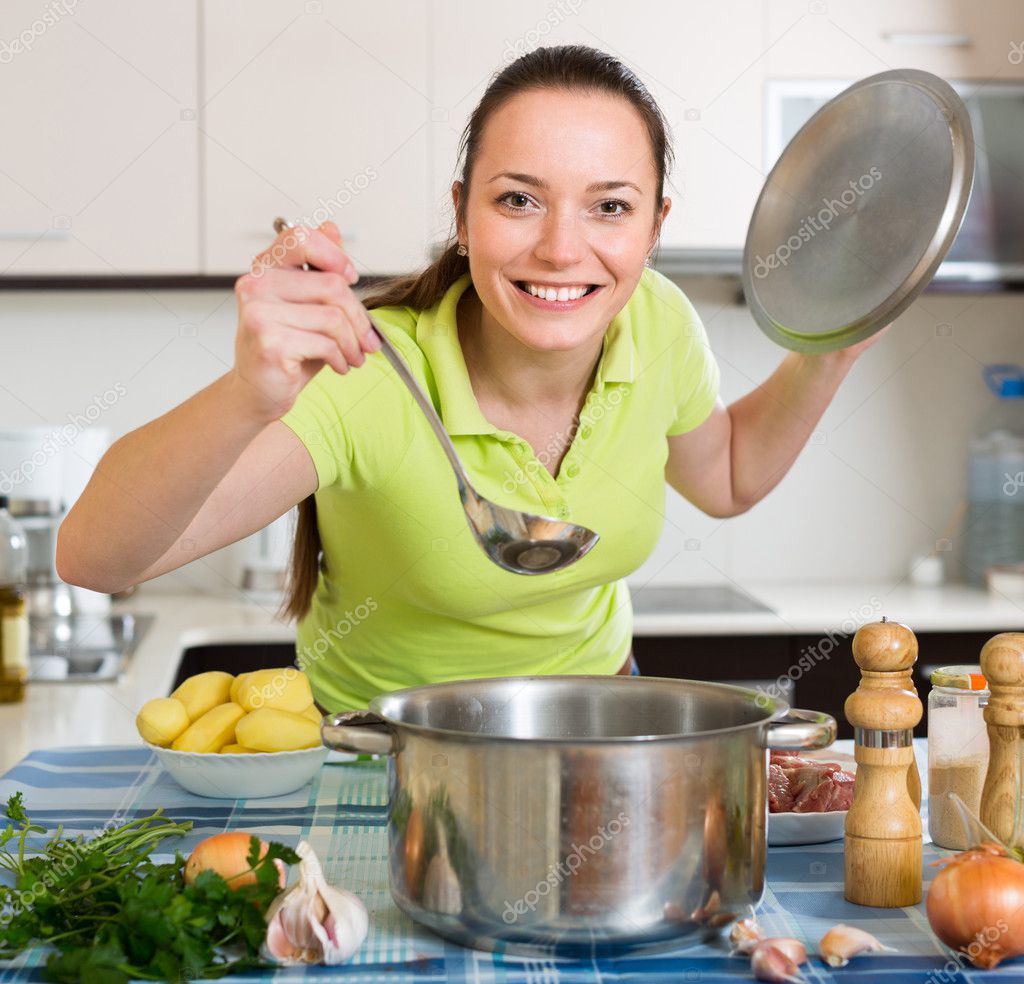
957,750
13,616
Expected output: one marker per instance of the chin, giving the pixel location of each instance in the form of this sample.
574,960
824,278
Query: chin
547,339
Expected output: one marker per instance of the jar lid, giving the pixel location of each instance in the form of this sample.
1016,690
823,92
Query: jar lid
959,677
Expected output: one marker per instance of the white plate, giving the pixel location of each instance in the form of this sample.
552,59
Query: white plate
805,828
811,828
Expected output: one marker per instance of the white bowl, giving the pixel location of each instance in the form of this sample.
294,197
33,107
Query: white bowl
805,828
250,775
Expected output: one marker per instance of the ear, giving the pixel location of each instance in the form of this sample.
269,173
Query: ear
666,206
456,197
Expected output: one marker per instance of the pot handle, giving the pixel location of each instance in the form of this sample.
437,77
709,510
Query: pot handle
359,731
802,729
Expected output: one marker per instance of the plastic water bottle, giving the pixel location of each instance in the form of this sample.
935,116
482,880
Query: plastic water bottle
13,618
994,525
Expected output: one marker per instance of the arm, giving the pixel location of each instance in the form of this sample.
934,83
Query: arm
741,452
191,482
221,465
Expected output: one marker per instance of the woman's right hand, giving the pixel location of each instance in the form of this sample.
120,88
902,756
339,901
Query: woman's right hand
292,322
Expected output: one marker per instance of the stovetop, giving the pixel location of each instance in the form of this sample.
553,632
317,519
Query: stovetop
693,599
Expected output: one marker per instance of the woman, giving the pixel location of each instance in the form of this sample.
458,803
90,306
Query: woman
573,380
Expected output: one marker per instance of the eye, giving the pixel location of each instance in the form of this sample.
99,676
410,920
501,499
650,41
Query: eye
514,201
615,203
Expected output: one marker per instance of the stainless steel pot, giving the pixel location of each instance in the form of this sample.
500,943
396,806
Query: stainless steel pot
577,814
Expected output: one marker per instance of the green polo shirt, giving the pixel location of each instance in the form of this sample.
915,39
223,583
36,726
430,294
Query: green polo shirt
405,595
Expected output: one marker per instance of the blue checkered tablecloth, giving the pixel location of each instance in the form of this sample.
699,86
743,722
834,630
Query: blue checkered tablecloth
342,813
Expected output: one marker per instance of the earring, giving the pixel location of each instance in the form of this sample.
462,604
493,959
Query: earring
462,251
647,262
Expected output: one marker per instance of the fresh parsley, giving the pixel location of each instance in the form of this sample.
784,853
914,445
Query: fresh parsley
112,914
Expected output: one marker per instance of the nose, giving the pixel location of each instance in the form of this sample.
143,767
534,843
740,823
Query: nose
561,242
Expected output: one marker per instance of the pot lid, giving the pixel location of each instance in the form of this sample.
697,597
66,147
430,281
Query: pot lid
859,211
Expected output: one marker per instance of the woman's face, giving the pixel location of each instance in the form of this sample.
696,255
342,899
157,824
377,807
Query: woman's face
562,198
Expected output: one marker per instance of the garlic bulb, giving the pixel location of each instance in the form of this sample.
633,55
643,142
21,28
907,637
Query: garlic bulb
313,922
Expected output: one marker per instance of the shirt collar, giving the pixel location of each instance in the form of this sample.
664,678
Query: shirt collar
438,339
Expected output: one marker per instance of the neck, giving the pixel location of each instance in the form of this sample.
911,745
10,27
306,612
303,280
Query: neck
518,376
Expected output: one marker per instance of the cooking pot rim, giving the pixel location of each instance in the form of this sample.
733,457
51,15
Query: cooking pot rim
774,710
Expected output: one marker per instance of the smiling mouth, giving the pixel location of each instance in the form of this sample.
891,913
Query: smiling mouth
522,285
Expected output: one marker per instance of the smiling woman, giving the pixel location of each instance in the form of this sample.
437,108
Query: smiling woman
571,379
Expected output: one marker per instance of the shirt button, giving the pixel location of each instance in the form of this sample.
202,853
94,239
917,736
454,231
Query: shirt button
572,471
563,512
585,431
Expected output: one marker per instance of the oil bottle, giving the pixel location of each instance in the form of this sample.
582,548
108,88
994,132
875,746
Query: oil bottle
13,616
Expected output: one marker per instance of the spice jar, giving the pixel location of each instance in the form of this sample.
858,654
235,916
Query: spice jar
957,750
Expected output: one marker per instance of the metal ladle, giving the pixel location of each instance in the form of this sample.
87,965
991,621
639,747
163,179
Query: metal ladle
518,541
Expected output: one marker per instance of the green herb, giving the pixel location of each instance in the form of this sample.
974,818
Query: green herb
113,915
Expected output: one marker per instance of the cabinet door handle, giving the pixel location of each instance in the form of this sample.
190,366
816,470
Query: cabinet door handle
937,39
25,235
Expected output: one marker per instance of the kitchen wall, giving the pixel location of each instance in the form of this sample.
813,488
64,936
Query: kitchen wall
878,483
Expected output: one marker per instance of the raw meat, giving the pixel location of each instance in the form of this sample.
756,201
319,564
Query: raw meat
799,785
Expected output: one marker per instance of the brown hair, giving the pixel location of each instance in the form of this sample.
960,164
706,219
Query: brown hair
573,67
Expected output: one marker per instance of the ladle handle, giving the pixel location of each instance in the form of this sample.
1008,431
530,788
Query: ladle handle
398,363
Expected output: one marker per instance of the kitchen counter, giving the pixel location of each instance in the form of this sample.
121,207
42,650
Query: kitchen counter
69,714
75,714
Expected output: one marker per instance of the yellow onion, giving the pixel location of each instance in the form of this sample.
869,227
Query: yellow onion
228,855
976,904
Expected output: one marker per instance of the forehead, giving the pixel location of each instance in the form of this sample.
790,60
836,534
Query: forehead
567,137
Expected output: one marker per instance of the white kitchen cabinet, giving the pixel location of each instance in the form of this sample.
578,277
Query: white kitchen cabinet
701,61
99,171
316,110
849,39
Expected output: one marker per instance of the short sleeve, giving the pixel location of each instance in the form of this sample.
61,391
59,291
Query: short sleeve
696,376
316,421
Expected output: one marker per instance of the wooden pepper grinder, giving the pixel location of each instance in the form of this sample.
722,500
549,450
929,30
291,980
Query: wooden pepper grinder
1002,663
883,826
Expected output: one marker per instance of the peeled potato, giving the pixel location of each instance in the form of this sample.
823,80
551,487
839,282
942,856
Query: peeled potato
235,684
235,749
313,713
285,689
214,730
270,729
204,690
161,720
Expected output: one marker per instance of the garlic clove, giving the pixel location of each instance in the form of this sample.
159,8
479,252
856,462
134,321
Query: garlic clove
345,926
769,963
793,948
313,922
745,934
842,942
278,943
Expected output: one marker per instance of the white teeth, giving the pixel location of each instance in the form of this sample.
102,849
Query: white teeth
556,293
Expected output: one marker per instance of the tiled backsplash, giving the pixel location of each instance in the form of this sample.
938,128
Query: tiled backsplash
879,481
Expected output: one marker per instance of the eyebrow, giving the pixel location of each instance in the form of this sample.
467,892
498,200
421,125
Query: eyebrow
529,179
